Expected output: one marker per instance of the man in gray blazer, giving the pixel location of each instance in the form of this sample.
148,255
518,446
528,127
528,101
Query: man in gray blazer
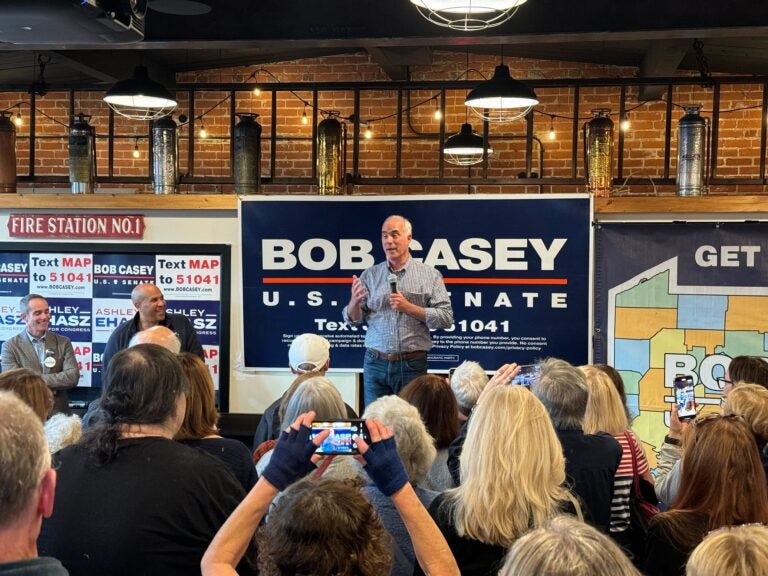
42,351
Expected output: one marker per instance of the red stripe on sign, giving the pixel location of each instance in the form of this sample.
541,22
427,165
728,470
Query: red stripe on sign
519,281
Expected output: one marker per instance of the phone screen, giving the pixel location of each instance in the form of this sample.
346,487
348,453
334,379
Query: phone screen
528,374
341,439
686,403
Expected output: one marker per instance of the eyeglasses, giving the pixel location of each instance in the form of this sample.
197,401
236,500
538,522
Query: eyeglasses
721,382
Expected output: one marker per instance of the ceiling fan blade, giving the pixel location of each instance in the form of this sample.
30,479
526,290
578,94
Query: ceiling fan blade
180,7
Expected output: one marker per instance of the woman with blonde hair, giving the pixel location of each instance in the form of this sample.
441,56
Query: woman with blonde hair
199,428
734,550
512,476
606,413
750,401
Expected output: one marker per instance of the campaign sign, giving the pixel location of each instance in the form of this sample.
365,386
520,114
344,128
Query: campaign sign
71,317
516,267
108,314
189,277
84,357
115,275
10,319
678,299
96,371
203,315
61,275
212,361
14,274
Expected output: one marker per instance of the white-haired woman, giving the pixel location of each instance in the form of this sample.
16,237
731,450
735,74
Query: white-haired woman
417,451
512,476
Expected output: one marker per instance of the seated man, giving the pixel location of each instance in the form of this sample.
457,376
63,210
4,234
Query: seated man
590,459
27,487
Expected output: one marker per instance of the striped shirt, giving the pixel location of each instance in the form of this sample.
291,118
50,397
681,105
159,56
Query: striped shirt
391,332
623,481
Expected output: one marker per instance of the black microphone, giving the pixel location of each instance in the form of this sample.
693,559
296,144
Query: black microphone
393,283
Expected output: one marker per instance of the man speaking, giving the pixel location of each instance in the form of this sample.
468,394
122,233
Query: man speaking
400,300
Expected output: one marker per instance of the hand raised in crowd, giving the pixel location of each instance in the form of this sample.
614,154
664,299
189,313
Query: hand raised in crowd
504,375
676,426
294,454
380,458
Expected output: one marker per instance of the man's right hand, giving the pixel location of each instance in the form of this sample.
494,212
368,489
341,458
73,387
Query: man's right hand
359,293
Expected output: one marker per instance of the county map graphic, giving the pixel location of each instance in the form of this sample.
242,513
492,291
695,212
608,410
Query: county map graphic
658,329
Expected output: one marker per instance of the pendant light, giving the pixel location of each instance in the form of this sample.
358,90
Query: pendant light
140,98
467,15
466,147
502,98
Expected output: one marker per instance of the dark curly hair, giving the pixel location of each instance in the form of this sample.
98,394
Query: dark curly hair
324,527
142,386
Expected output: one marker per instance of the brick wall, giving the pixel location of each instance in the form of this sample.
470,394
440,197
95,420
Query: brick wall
643,144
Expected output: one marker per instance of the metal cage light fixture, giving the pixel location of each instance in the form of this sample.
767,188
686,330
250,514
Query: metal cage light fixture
466,147
467,15
140,98
502,98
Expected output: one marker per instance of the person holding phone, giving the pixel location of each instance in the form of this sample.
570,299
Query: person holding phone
305,508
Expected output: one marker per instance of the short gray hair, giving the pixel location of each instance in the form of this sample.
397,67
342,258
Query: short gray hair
414,444
319,394
566,546
24,456
467,381
562,388
24,302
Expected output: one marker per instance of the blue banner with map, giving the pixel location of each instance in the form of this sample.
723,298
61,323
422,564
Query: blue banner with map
678,298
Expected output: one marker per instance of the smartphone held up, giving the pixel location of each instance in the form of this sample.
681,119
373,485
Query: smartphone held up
684,397
341,439
529,373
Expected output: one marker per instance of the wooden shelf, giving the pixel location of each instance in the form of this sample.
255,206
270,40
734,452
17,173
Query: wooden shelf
617,205
681,204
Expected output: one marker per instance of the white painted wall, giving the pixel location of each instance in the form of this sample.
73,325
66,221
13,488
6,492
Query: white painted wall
249,391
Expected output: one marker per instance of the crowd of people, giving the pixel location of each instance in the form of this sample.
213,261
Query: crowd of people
462,475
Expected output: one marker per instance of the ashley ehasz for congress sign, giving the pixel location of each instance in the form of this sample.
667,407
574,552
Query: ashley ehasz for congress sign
517,269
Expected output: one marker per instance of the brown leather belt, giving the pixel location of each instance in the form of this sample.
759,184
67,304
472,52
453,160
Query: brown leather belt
398,357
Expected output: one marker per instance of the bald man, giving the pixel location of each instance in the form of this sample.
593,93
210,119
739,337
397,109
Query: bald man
149,302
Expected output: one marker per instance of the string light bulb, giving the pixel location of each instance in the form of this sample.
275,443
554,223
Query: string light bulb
552,134
368,131
18,119
203,132
625,124
438,113
304,117
136,153
256,91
